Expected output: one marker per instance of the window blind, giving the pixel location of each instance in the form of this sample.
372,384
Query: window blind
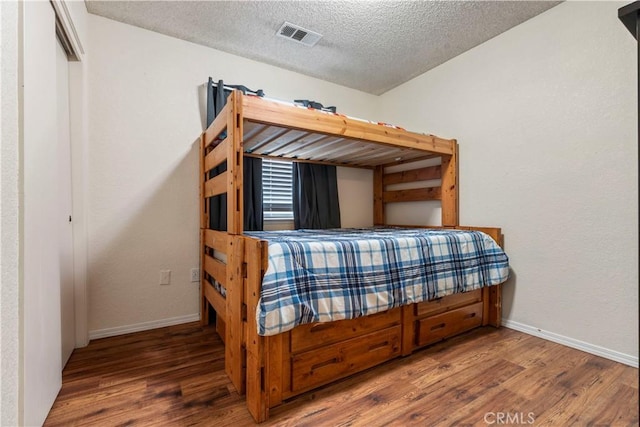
277,189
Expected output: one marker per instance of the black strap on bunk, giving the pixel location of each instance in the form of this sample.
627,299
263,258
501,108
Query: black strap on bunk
221,97
315,105
218,92
245,90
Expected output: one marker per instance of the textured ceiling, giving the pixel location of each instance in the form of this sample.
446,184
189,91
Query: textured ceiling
372,46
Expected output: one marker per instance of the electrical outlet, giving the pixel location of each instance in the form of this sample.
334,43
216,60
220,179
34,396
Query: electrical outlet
165,277
195,274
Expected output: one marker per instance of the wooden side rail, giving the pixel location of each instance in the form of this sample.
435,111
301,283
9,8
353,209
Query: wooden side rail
446,191
213,269
222,142
218,126
216,240
218,184
216,156
410,176
275,113
212,154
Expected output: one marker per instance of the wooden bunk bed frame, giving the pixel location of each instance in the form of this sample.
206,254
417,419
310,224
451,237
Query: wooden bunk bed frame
274,368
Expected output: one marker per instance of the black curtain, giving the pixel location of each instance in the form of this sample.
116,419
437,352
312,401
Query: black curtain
218,205
216,98
253,213
315,196
252,179
217,94
252,198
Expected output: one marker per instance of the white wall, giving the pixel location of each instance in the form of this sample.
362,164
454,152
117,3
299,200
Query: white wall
147,109
546,115
9,216
355,194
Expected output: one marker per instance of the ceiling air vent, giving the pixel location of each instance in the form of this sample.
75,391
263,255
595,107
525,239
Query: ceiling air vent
298,34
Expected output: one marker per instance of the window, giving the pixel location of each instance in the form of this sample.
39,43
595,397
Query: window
276,189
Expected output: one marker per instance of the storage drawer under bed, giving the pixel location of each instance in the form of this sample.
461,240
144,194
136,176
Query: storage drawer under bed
320,366
440,305
306,337
440,326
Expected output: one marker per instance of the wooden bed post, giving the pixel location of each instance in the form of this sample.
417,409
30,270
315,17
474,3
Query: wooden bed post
204,305
495,305
235,205
450,188
492,295
408,330
378,202
257,368
233,355
235,253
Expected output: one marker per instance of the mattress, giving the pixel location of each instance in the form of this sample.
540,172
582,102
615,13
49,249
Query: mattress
328,275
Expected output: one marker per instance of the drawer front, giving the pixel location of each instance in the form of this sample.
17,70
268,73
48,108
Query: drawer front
323,365
441,326
440,305
305,337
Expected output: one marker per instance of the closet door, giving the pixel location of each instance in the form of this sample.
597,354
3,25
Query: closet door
42,377
67,300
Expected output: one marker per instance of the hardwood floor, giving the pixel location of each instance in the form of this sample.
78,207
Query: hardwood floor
175,377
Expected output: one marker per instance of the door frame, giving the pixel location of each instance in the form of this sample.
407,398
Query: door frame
78,103
64,211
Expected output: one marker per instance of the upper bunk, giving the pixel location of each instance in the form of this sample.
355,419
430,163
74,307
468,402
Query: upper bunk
281,130
252,126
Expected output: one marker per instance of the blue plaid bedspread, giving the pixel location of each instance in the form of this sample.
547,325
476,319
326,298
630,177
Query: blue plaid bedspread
327,275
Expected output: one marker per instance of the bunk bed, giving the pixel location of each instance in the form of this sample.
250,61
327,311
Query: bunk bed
273,368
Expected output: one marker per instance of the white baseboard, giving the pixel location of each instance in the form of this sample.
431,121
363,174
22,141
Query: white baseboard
145,326
573,343
531,330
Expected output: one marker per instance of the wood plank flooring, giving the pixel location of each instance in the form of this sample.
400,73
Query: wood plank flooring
175,377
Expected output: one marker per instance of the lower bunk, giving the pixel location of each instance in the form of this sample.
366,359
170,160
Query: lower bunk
271,369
